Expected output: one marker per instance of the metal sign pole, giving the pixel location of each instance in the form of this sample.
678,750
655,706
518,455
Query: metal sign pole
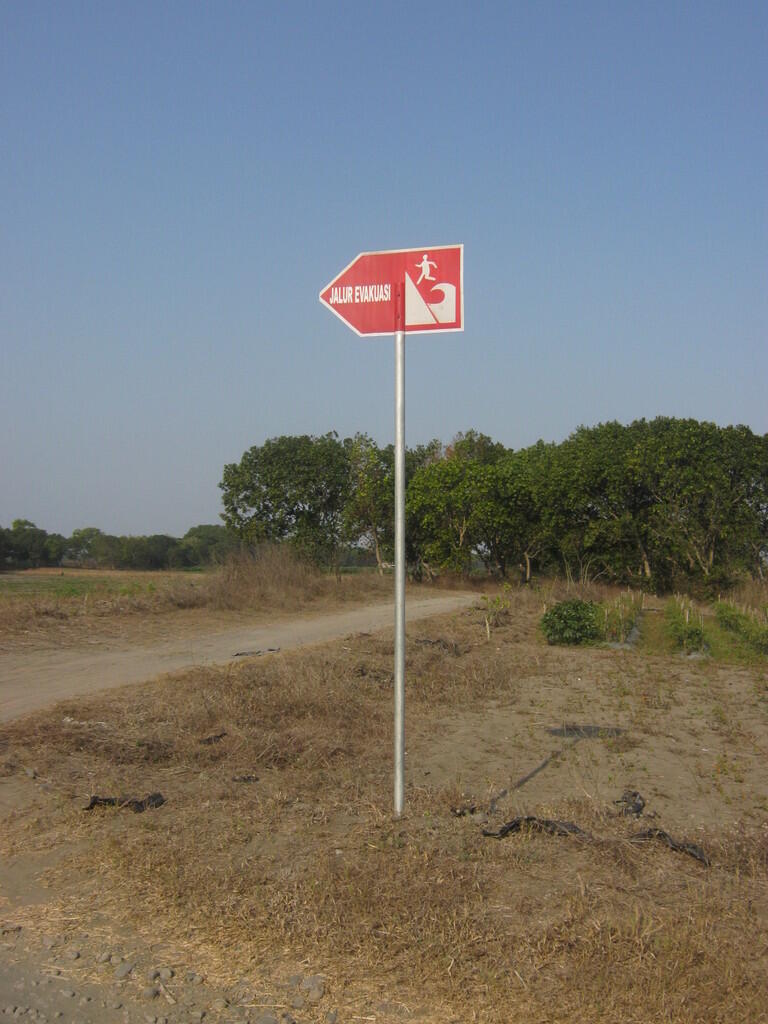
365,295
399,555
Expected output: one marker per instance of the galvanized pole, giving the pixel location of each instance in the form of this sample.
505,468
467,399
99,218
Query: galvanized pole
399,558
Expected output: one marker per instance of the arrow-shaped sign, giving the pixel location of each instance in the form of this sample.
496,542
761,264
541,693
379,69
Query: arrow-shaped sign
370,296
365,294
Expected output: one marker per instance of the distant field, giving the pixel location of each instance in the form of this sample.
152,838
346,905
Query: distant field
79,582
67,605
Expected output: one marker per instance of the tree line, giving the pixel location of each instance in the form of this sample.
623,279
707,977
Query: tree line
664,503
667,503
26,546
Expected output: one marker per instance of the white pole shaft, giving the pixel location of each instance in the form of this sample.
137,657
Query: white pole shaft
399,570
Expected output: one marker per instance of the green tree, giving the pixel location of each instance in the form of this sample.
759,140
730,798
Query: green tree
55,548
440,500
151,552
474,446
369,509
105,550
206,544
80,544
522,478
420,456
290,488
5,548
596,508
27,544
708,493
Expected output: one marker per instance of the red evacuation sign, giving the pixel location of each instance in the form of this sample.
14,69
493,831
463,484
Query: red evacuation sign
365,294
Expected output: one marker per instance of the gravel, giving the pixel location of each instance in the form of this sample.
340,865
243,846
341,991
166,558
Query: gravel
130,985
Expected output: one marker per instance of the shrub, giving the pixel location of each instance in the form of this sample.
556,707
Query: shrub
728,617
572,622
270,575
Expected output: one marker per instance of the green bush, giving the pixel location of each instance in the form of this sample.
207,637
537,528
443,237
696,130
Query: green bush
728,617
572,622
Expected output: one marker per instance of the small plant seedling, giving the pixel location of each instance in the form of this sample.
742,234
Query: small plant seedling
620,616
685,625
496,608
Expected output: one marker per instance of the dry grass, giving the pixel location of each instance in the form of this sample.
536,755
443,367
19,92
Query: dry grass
753,594
274,576
167,591
65,605
271,579
423,911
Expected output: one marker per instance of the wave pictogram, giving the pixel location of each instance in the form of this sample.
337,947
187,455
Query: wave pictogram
418,311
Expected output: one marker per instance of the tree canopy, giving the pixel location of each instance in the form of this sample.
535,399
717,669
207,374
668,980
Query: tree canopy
26,546
291,488
665,502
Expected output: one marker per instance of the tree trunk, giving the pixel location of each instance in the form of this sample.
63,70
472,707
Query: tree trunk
377,549
646,564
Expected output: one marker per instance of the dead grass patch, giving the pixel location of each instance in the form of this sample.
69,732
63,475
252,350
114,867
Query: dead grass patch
752,594
269,580
306,860
274,576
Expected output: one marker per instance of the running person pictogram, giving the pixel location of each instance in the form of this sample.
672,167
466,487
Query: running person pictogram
424,265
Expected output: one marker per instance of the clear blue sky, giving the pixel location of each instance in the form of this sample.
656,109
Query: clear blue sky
178,181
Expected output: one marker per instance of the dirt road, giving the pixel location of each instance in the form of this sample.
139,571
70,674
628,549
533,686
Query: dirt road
35,679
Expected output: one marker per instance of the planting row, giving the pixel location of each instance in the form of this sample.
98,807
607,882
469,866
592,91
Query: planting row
685,627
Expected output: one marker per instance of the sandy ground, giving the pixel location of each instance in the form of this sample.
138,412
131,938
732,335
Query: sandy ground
37,678
552,731
73,979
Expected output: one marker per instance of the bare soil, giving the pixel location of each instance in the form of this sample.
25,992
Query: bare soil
275,855
35,676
